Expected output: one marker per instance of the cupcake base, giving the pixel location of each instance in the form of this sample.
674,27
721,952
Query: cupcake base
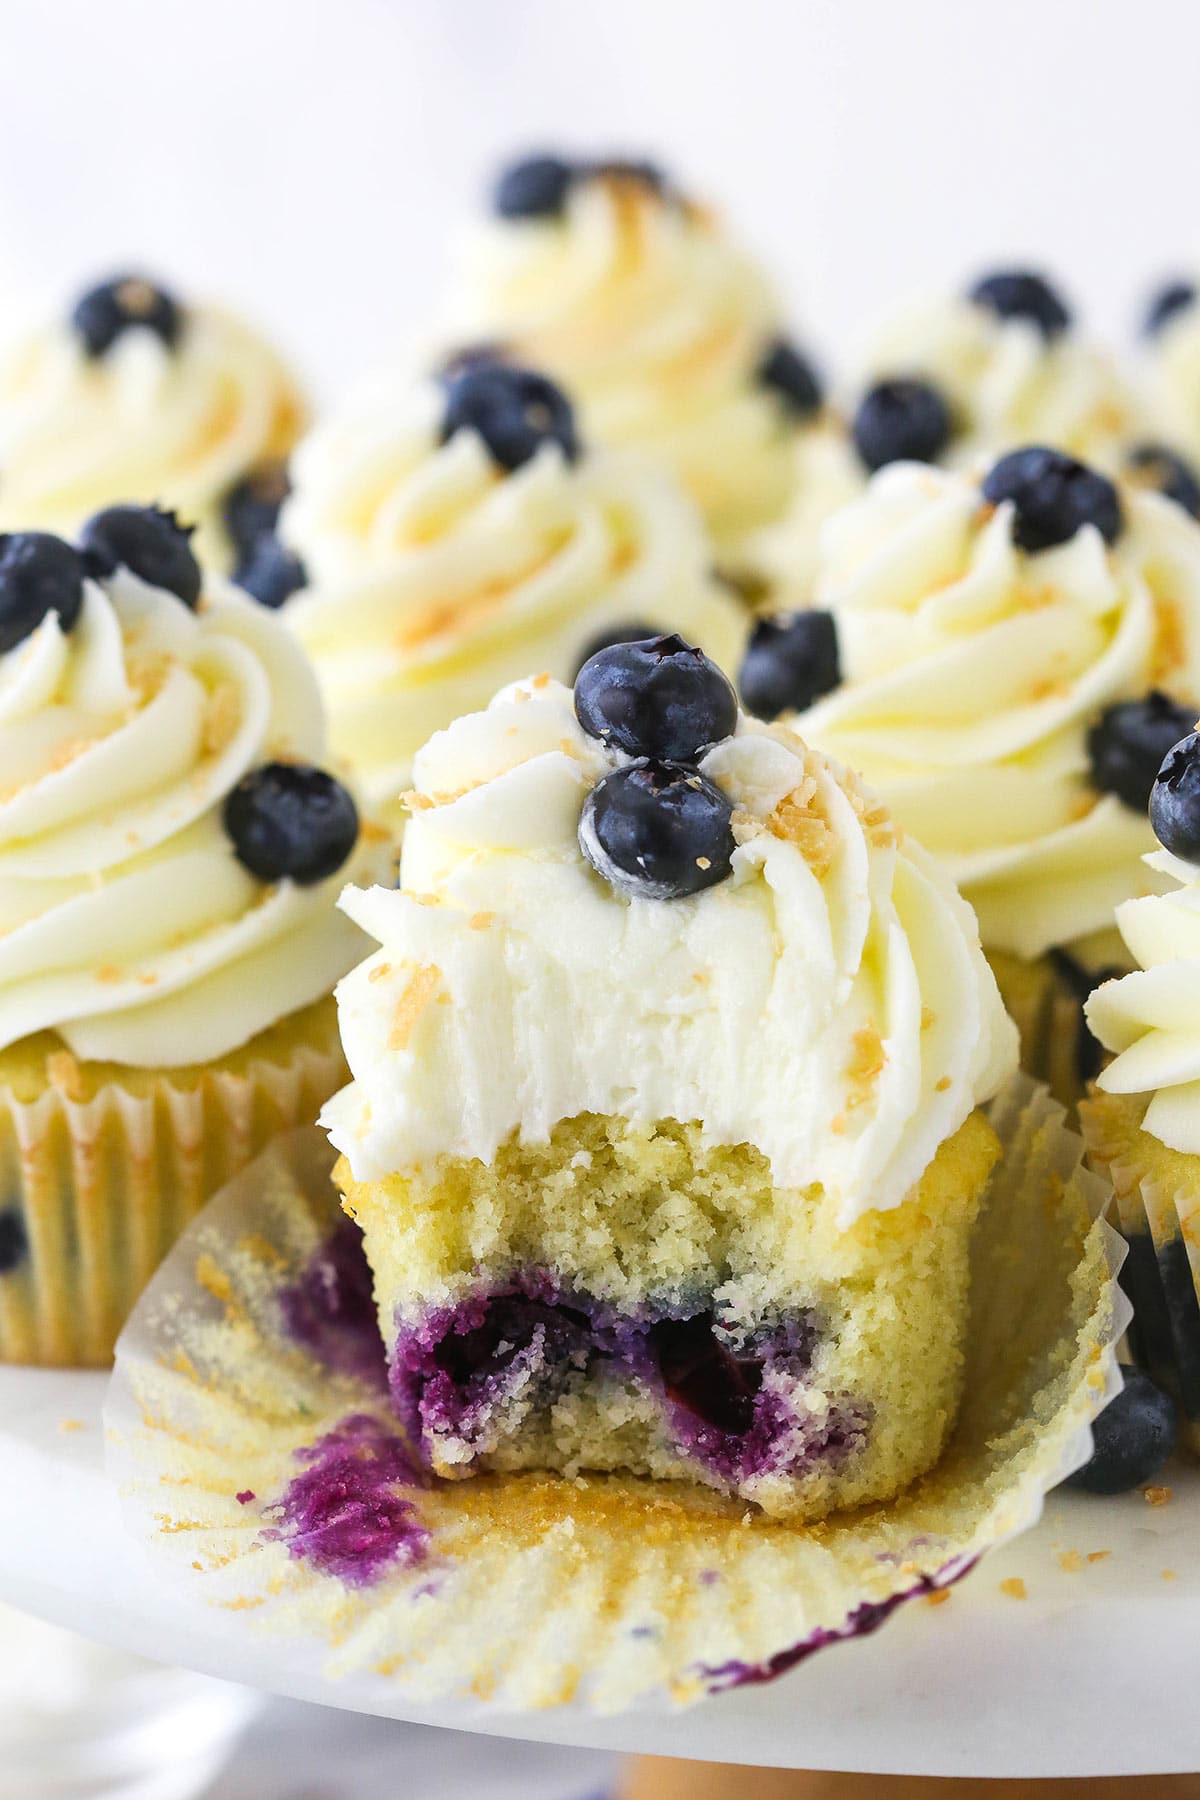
1045,999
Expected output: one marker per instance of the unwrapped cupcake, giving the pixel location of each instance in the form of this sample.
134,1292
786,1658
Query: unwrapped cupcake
664,1133
137,396
170,855
458,533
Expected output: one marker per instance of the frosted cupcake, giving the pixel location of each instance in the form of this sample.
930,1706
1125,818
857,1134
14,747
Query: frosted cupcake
663,1132
1171,361
1006,662
458,534
170,855
136,396
663,329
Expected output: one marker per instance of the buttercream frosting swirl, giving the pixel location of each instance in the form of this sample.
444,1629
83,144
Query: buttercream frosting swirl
972,672
1172,368
127,923
435,576
828,1002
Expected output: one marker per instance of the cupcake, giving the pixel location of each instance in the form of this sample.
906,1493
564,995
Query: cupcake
663,329
136,396
458,534
1006,662
1142,1121
664,1133
1171,362
170,855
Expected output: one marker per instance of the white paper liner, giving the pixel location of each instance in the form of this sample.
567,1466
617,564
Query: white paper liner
533,1590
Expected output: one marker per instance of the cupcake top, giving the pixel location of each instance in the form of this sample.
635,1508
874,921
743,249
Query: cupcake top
134,396
169,855
632,899
1007,662
663,329
1171,336
457,534
1149,1018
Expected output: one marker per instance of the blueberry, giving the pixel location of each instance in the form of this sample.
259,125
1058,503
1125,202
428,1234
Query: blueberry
149,542
1128,742
14,1242
1022,294
901,420
1134,1436
39,574
251,509
1156,466
106,312
534,188
289,821
702,1375
1173,297
1053,496
515,412
656,696
1175,800
270,572
472,356
657,830
791,660
616,634
791,377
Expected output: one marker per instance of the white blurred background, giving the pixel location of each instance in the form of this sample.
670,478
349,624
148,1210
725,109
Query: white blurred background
306,158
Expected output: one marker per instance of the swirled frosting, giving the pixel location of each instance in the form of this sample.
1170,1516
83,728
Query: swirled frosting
828,1002
176,424
127,923
656,324
782,558
1173,378
972,672
1007,384
435,577
1150,1018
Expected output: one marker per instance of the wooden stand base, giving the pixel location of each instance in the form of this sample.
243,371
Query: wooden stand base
657,1778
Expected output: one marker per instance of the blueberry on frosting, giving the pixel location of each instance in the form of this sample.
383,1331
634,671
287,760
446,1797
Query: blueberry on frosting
1022,294
1175,800
289,821
655,697
1128,742
270,573
657,830
105,313
1172,298
251,508
534,188
1158,467
901,420
14,1243
633,633
515,411
791,377
149,542
1132,1438
39,575
1053,497
790,661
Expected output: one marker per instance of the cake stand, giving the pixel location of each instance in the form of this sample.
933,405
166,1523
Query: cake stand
1074,1651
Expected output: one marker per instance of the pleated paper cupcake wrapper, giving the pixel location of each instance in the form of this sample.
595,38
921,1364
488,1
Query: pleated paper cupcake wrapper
96,1191
250,1437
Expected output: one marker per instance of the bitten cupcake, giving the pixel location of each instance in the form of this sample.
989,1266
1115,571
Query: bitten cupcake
170,854
460,533
136,395
1006,662
663,1133
664,330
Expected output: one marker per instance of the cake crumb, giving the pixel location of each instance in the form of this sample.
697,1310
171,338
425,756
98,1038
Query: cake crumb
1014,1587
71,1425
866,1064
1071,1561
704,862
1095,1556
543,680
939,1087
1169,1575
938,1597
1157,1496
480,921
927,1017
379,972
412,1004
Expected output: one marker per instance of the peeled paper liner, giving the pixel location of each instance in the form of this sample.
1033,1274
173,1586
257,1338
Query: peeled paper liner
532,1590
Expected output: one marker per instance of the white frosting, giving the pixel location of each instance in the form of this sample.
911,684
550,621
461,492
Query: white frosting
827,1002
435,577
972,673
1152,1017
827,473
656,323
127,923
175,424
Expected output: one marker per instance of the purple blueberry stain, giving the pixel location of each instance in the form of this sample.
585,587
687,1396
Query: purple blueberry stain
245,1497
330,1308
350,1511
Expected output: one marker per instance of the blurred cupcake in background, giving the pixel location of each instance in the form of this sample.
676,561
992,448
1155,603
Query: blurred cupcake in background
171,852
659,325
134,395
461,532
1006,662
1170,330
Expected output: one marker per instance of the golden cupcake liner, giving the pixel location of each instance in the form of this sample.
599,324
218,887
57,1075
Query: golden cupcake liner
250,1436
95,1188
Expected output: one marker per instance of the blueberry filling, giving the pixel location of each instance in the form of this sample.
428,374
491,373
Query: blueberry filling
1022,294
1053,496
251,508
289,821
1175,800
701,1375
1158,467
1128,742
329,1310
515,412
1169,300
39,575
901,420
14,1241
147,541
351,1510
790,661
105,313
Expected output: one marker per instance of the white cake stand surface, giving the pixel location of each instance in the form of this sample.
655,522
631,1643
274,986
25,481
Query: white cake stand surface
1074,1651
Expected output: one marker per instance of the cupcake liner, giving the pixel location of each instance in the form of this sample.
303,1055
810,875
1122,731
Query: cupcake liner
1044,998
96,1189
250,1437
